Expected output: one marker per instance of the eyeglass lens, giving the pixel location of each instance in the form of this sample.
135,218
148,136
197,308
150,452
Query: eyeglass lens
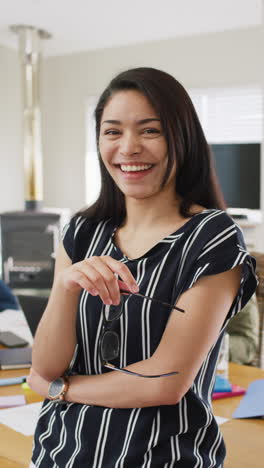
113,312
110,345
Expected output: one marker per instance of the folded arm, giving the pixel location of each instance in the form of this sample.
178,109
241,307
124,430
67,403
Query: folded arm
185,343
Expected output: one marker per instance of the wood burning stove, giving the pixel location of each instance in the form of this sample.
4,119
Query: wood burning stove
29,240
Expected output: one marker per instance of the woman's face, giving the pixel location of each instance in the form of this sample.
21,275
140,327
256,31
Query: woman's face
132,145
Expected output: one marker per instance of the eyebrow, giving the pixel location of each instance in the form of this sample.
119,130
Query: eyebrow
139,122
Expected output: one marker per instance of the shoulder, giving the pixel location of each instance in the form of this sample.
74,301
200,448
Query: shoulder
216,215
82,235
80,225
218,240
213,232
210,221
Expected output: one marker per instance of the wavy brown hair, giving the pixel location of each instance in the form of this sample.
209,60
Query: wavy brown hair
196,180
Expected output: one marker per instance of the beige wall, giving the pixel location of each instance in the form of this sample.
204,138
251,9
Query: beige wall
220,59
11,158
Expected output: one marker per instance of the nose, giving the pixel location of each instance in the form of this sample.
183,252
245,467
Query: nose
130,144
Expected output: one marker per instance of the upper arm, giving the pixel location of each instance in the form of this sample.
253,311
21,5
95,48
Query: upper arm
188,337
62,260
64,253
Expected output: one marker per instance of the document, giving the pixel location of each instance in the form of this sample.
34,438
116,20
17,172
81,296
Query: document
21,419
14,320
252,404
12,400
220,420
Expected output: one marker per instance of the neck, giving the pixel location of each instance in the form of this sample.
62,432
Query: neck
143,213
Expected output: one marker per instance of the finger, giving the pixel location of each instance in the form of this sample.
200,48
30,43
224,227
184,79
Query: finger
109,278
123,272
95,274
123,286
88,286
79,279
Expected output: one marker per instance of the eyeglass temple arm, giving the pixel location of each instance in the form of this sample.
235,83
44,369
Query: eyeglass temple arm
155,300
126,371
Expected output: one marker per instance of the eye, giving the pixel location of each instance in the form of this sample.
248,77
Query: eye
111,132
151,131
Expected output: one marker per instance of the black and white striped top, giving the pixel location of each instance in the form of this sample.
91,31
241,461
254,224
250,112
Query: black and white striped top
185,435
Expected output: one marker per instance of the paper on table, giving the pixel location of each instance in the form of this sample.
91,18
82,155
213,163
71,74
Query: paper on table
12,400
14,320
22,419
252,404
220,420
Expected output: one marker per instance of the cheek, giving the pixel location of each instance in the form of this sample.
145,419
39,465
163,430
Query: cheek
107,146
101,147
104,151
162,150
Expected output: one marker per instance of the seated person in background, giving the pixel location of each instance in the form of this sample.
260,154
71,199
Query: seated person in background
7,298
243,332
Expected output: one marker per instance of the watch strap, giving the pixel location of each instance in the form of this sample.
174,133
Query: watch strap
65,388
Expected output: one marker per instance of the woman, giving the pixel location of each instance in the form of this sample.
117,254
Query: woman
138,391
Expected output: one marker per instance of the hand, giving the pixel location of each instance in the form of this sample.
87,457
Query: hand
98,276
37,383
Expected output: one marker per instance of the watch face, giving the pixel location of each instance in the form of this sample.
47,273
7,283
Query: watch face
56,387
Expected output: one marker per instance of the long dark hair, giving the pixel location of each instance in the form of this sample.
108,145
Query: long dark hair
196,180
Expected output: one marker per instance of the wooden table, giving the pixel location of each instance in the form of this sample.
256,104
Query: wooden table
244,437
15,448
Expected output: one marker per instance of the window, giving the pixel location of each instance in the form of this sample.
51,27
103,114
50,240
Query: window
230,115
232,120
92,171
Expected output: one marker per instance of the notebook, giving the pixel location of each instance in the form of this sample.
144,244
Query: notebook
236,391
33,308
15,358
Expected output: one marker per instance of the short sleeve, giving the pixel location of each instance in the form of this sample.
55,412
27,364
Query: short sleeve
68,237
76,237
220,247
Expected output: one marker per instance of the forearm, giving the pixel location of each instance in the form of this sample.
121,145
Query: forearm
118,390
55,339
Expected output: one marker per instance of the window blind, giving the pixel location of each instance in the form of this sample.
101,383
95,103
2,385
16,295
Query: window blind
230,115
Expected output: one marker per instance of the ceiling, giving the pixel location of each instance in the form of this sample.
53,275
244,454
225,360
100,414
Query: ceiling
78,25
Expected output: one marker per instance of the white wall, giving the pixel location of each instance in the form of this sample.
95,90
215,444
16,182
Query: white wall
11,150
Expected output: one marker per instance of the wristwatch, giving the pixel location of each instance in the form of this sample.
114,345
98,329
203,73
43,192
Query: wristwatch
57,389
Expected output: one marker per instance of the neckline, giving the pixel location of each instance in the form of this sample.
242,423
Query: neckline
154,247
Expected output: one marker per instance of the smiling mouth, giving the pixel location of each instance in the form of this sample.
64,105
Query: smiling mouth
134,167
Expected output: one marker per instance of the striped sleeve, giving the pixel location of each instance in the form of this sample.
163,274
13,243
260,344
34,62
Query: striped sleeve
68,237
224,249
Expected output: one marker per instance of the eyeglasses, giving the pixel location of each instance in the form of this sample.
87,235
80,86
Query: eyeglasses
109,342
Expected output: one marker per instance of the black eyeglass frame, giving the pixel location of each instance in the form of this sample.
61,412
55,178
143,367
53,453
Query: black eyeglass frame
106,329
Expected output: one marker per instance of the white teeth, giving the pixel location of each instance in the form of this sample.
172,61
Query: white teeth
133,168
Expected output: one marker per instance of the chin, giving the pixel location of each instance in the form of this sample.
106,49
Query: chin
139,192
138,195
